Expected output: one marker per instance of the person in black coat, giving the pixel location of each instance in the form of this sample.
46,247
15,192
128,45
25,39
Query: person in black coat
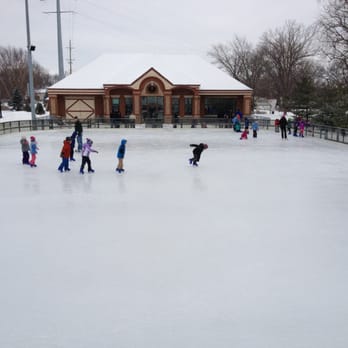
198,149
78,130
283,125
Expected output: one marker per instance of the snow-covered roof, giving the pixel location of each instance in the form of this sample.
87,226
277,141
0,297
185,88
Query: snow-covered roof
126,68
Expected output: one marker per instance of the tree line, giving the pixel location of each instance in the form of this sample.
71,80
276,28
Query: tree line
304,67
14,76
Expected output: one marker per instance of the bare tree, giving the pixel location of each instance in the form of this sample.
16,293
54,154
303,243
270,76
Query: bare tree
286,49
333,24
239,59
14,72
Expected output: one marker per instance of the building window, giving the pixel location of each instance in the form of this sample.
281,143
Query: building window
129,105
188,105
219,106
115,107
175,106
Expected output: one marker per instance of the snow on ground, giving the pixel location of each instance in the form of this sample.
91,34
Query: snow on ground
249,250
8,116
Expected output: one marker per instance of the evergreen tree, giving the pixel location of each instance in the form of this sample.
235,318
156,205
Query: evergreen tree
17,100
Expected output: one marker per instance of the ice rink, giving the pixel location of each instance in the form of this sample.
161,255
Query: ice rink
249,250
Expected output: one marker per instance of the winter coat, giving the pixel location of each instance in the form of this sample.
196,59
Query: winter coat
65,153
25,145
73,139
33,148
87,149
78,127
255,126
283,122
198,149
244,135
122,149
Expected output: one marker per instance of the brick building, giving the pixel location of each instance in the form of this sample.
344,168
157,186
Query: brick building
149,86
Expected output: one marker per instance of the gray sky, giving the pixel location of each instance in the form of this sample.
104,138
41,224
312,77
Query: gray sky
181,26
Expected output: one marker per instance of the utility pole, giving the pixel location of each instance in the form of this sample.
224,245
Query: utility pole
70,60
30,67
59,39
60,47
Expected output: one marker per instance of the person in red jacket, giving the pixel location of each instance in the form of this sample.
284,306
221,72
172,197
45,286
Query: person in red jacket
65,155
244,134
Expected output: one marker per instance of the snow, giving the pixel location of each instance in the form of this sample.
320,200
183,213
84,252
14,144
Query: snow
9,116
248,250
126,68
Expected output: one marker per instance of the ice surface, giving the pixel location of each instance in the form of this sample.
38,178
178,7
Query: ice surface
248,250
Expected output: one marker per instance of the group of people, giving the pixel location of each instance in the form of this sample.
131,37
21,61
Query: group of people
67,151
237,125
29,151
285,126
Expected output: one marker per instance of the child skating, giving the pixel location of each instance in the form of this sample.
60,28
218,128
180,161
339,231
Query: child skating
244,135
25,150
255,127
86,150
120,155
65,155
33,151
197,151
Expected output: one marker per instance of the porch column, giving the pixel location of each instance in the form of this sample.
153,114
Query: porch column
196,112
168,107
107,106
53,105
246,105
136,106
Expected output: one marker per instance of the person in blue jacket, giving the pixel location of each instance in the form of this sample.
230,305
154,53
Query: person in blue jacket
120,155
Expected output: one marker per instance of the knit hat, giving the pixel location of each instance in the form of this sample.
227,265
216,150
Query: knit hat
32,138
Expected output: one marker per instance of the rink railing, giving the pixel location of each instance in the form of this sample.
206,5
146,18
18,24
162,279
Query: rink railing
319,131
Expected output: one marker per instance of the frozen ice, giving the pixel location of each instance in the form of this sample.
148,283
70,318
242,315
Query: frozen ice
248,250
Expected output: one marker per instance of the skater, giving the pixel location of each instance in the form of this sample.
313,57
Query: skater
255,127
283,123
120,155
33,150
25,150
301,127
244,135
65,155
72,146
79,131
86,150
198,149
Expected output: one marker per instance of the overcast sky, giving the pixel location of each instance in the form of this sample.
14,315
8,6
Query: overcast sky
181,26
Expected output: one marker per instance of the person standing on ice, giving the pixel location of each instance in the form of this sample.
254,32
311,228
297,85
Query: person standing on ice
197,151
120,155
33,151
65,155
86,150
78,130
283,123
72,145
255,127
25,150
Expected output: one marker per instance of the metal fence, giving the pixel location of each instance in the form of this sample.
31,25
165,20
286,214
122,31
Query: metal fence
318,131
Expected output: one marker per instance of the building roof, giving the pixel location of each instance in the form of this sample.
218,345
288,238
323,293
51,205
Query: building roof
126,68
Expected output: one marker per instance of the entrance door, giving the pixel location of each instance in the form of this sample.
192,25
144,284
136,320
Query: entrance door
152,108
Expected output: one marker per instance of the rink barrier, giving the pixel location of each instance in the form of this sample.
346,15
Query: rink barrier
319,131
